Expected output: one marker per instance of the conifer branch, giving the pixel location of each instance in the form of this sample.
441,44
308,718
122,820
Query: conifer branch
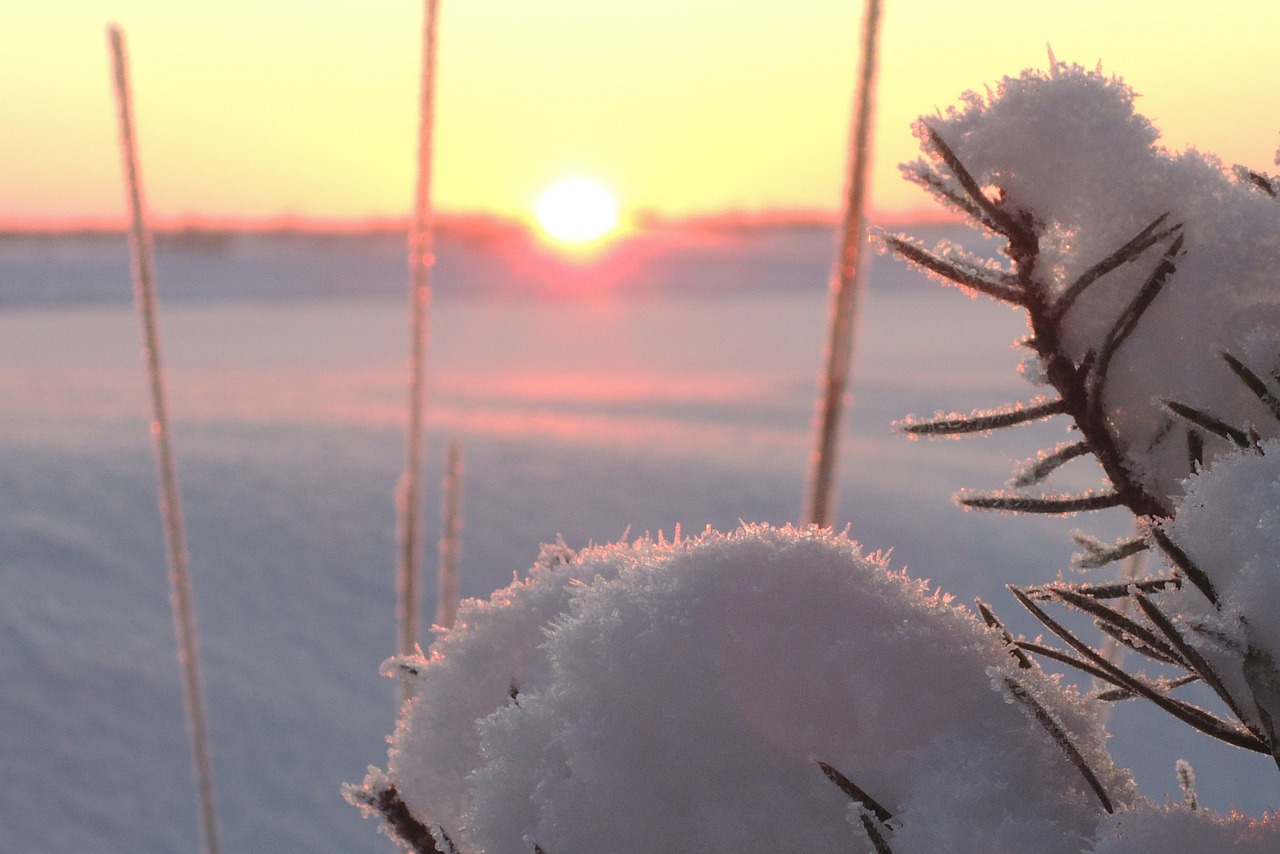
1259,181
1097,554
1192,715
1163,685
1065,658
939,188
1128,631
1115,590
878,842
1196,662
1195,450
1128,321
993,213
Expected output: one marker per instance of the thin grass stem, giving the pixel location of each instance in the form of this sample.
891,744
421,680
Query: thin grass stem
846,286
450,538
421,260
169,496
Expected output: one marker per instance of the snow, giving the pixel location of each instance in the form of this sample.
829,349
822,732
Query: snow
683,696
1228,523
1173,830
1068,147
655,405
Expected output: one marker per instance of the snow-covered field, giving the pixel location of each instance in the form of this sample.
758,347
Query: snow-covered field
671,385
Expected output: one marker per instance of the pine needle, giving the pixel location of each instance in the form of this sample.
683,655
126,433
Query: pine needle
1140,243
981,422
1045,504
855,793
1061,738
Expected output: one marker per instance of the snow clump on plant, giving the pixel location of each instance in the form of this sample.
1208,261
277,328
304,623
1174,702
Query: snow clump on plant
770,689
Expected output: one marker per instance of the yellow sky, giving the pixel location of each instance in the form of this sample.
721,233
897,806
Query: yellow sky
271,108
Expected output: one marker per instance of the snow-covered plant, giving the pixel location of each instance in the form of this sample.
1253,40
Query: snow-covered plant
1149,281
777,690
767,690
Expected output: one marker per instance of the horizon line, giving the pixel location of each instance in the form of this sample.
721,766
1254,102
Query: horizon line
460,223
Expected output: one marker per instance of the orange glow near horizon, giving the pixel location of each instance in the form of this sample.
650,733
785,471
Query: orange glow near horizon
284,111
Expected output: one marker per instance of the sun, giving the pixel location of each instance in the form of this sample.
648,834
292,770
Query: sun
576,210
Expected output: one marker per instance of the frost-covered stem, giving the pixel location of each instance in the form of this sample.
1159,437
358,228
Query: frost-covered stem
450,538
421,260
845,287
1080,386
170,503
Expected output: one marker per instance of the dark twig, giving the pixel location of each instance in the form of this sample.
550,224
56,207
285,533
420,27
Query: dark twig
874,834
1254,383
1065,658
993,622
1096,556
980,422
1259,181
1130,632
1186,712
1143,241
1060,737
1164,685
1002,289
1047,463
948,194
1114,590
1183,562
993,213
854,792
1128,320
1196,662
404,824
1214,425
1042,503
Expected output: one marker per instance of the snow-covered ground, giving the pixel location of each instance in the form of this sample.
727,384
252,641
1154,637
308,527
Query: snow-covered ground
677,392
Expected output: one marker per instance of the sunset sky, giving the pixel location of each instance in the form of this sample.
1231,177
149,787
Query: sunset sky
270,109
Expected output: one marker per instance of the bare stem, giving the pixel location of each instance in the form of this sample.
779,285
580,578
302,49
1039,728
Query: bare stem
170,501
846,286
450,539
421,260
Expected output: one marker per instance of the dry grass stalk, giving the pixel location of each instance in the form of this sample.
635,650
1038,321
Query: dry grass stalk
450,538
846,286
170,502
421,260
